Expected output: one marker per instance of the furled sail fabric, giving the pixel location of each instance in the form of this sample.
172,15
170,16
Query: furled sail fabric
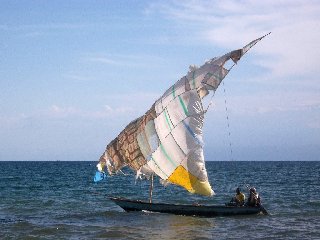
167,140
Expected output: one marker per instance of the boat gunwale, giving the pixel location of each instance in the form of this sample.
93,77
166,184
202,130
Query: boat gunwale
120,199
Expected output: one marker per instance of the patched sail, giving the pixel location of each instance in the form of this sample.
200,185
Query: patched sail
167,139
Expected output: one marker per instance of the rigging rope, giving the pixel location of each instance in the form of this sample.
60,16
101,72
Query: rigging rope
228,122
210,103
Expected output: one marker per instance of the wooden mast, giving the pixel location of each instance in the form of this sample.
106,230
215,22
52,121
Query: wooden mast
151,188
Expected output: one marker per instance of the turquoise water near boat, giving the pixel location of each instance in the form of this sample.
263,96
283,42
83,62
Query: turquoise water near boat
59,200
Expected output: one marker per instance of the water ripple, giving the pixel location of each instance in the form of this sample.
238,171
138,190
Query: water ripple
58,200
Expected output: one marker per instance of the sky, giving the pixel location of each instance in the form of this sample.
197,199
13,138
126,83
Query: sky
73,74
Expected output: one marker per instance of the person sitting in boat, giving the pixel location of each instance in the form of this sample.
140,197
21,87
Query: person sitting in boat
254,198
238,199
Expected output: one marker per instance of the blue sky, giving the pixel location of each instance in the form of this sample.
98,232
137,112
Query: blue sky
74,73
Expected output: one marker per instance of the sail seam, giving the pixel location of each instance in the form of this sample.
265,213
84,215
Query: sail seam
153,159
178,147
167,119
173,91
167,156
193,79
187,115
183,106
164,107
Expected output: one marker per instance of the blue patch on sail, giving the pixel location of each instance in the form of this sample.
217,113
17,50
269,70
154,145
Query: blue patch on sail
99,176
192,133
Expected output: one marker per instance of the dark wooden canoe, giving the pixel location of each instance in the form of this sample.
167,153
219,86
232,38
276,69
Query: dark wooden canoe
187,210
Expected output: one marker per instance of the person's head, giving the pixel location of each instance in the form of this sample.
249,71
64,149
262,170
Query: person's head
238,190
253,190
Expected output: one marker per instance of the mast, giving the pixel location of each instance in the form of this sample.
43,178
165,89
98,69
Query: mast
151,188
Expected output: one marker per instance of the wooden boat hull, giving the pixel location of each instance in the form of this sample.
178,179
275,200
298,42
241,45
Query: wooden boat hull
187,210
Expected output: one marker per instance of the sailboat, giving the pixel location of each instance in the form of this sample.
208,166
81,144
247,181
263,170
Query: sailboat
167,142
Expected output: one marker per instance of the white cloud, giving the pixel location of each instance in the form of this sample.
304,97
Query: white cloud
62,112
116,105
292,49
70,112
288,57
124,106
11,121
122,60
266,103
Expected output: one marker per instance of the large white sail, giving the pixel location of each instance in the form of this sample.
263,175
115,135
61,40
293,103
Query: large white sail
167,139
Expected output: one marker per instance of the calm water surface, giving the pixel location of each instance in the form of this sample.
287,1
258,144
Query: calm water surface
58,200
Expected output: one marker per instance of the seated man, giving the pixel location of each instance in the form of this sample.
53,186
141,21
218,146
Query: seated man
238,199
254,198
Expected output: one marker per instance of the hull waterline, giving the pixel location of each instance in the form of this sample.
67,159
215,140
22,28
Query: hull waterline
187,210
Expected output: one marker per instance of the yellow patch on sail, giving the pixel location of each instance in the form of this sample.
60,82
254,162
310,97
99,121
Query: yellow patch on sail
182,177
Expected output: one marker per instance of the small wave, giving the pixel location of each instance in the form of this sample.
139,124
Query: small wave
314,203
10,220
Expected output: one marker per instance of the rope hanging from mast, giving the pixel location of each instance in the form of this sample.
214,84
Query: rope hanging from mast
228,122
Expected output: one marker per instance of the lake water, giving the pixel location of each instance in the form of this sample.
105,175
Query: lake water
59,200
